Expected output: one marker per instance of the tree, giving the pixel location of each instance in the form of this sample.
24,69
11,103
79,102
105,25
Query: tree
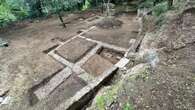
170,3
39,7
58,4
106,5
156,2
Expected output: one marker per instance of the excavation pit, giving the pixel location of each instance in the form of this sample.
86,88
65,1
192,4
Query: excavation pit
75,49
96,65
57,89
110,54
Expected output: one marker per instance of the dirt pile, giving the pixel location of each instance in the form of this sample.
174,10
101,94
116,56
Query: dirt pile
109,23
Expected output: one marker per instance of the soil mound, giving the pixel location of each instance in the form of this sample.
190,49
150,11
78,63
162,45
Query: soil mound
109,23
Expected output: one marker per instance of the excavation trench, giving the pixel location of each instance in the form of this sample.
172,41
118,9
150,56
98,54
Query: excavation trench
87,61
90,63
87,69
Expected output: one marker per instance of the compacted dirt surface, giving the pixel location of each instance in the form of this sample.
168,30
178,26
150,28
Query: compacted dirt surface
117,36
45,64
26,64
75,49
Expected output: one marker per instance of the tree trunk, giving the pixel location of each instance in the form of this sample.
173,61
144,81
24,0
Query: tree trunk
61,19
108,8
103,3
156,2
170,3
39,7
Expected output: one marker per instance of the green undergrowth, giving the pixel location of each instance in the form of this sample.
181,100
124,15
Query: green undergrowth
128,106
115,93
108,97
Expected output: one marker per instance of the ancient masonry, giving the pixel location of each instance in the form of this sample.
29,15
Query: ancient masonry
87,63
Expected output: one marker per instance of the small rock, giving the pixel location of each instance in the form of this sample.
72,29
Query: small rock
6,100
132,41
3,43
178,45
193,27
1,99
130,55
122,63
140,68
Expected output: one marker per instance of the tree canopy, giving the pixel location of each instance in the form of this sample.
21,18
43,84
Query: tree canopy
12,10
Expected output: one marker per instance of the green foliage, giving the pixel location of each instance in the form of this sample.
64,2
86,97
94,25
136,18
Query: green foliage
11,10
101,103
128,106
86,5
146,4
53,6
6,15
18,8
108,97
160,8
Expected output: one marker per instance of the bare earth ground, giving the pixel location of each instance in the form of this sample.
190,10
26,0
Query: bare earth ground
75,49
171,86
168,83
119,36
25,64
62,93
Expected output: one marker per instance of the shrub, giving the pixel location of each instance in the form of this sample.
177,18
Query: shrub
86,4
11,10
146,4
6,15
18,8
160,8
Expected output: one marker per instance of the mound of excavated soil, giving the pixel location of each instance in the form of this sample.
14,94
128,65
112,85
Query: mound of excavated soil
109,23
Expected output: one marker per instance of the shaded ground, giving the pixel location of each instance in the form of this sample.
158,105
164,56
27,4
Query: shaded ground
66,90
166,85
119,36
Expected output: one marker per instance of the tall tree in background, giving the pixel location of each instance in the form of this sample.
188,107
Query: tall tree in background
170,3
39,7
58,4
106,5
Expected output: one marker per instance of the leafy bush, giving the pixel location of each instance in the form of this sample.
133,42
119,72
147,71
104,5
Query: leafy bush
18,8
11,10
53,6
160,8
86,4
6,15
146,4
